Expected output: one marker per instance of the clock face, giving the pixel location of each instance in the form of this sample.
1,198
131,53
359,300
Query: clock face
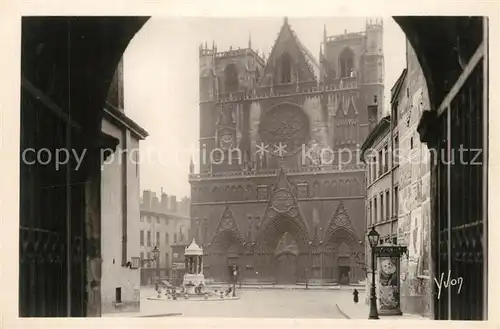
286,124
226,141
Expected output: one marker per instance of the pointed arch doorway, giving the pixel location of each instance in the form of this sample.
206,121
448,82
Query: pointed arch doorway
224,253
282,243
286,260
343,264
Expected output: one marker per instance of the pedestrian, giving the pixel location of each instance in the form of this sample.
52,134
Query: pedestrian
355,293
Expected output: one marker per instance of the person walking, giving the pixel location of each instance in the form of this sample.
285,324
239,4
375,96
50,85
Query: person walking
355,294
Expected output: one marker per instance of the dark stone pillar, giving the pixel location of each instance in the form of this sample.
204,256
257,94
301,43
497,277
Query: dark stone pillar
93,237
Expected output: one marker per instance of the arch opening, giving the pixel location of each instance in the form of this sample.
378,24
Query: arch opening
231,82
286,68
281,246
346,61
223,253
342,264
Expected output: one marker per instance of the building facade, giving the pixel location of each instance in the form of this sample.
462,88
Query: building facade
164,222
120,205
398,177
381,177
409,102
280,191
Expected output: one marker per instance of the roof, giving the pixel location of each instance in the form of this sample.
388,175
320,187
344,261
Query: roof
381,128
120,118
193,249
397,85
311,61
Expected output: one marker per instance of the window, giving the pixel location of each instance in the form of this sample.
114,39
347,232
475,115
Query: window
379,162
370,215
381,206
167,260
142,259
411,143
141,238
386,158
166,239
346,60
387,205
375,219
394,240
142,218
158,239
149,219
158,219
231,78
149,263
149,238
395,204
373,165
286,68
175,238
395,152
118,295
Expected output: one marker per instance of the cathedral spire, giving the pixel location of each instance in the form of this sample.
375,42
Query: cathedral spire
324,33
249,41
191,166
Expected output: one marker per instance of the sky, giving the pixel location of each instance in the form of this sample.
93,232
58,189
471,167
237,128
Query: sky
161,79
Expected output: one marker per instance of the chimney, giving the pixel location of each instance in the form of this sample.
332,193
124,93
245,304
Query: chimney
146,199
164,202
154,201
173,203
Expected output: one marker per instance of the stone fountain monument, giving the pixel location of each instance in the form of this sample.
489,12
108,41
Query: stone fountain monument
194,264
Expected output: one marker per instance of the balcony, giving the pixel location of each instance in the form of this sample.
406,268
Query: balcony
274,172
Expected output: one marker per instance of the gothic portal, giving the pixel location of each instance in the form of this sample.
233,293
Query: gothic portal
280,189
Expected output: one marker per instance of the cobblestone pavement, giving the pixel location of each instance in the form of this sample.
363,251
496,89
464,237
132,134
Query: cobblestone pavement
291,287
263,303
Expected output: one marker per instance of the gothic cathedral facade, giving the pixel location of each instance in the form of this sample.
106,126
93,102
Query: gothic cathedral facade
280,188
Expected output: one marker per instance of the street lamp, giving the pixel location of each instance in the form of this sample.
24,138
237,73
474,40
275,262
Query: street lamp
235,273
373,238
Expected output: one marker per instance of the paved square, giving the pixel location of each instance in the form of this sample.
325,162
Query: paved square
279,303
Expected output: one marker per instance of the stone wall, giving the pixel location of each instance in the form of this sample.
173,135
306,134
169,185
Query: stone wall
114,275
414,200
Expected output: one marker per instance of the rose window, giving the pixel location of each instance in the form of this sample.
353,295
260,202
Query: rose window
286,125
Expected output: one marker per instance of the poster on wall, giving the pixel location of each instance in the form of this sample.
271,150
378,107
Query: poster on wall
425,236
414,247
389,288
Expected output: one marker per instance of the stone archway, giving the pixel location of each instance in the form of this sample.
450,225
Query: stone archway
67,66
433,38
224,251
340,266
282,242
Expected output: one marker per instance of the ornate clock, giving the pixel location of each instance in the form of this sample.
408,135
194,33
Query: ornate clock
226,141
